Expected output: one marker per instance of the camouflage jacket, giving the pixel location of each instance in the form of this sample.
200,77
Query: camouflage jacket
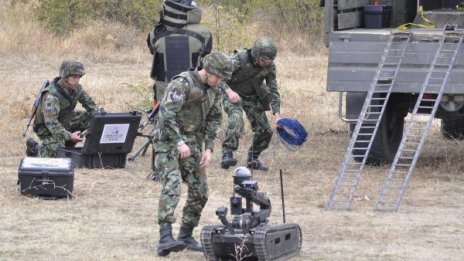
248,80
189,110
57,105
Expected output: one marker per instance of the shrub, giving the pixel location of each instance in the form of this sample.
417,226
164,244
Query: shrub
65,16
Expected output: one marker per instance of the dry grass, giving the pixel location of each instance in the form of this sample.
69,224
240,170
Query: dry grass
113,213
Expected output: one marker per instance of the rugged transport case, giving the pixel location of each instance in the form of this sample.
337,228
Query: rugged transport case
46,177
109,138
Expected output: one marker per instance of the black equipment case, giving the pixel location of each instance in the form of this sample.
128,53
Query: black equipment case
109,138
46,177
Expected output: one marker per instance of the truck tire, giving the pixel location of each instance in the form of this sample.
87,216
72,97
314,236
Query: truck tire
453,127
388,137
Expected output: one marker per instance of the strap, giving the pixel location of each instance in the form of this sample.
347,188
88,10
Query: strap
178,6
193,34
175,15
426,24
173,25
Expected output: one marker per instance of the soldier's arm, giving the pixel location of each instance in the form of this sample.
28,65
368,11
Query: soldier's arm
87,102
213,123
171,104
51,110
271,81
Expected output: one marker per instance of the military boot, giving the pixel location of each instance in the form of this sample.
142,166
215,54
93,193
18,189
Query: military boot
32,148
185,234
254,163
228,159
167,243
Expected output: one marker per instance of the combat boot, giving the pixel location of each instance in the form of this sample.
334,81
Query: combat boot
32,148
228,159
167,243
254,163
185,234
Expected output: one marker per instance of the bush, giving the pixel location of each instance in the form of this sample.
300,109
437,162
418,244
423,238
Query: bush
65,16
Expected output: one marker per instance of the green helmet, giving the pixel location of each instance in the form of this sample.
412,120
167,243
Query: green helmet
219,64
264,47
71,67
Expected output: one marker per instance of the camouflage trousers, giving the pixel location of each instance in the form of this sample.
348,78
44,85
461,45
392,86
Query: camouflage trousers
79,121
172,172
262,131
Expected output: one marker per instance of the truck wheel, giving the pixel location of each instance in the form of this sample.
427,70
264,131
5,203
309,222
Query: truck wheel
453,127
388,137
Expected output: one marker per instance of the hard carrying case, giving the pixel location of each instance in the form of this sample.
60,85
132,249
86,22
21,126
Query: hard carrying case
93,161
109,138
46,177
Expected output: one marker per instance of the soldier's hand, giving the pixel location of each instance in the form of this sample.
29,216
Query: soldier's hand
205,159
76,136
233,96
184,151
276,118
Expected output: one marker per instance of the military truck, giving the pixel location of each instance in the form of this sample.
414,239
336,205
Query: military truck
361,36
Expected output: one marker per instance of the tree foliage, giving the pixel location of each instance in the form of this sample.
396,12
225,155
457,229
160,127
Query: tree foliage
294,16
303,16
64,16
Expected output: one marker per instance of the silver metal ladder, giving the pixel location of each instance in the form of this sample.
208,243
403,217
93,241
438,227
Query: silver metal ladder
417,128
351,171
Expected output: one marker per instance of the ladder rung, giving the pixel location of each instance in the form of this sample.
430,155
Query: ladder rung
388,202
403,165
406,158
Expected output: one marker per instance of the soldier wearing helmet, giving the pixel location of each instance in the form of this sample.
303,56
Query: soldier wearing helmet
252,89
56,123
189,119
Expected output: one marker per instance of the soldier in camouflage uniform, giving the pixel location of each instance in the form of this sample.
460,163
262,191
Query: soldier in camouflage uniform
189,119
246,91
56,123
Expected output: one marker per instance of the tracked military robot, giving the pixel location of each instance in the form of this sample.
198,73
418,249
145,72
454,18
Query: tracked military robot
249,236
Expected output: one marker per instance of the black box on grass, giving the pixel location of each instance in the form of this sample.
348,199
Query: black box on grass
108,140
377,16
46,177
93,161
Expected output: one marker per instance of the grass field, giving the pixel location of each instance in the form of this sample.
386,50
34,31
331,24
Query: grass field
112,215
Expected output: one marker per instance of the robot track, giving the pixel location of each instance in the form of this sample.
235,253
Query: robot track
264,242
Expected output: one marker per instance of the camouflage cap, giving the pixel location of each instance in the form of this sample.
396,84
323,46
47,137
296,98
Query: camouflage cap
264,47
219,64
71,67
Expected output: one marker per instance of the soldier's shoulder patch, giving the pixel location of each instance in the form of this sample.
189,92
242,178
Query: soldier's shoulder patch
49,107
176,95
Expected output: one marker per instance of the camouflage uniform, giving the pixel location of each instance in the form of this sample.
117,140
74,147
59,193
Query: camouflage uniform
190,111
189,118
257,98
56,119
